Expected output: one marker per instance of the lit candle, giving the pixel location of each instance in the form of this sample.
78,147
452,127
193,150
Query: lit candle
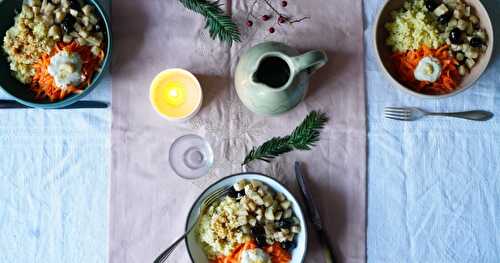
176,94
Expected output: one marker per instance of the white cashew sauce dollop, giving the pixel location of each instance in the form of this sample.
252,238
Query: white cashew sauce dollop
428,69
66,69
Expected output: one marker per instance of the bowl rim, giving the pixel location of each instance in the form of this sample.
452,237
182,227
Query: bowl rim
421,95
97,78
306,223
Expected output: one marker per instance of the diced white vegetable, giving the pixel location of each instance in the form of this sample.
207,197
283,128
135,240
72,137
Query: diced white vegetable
49,8
55,32
470,63
472,53
238,186
460,56
467,11
87,9
462,24
93,19
65,3
288,213
77,27
255,183
295,229
465,47
278,215
473,19
73,12
285,205
441,10
470,29
462,70
269,213
85,21
268,200
481,34
35,9
252,221
453,23
457,14
83,34
81,41
59,16
67,38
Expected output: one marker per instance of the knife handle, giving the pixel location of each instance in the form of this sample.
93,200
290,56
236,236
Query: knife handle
326,246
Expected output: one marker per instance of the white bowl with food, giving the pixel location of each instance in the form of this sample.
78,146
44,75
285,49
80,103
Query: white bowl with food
433,48
258,221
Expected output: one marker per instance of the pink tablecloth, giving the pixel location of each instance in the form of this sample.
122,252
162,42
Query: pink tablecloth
149,204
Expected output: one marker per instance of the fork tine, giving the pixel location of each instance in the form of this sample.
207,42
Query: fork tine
397,111
397,118
402,115
405,113
215,195
398,114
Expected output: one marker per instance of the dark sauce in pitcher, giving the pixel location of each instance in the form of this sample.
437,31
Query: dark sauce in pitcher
273,72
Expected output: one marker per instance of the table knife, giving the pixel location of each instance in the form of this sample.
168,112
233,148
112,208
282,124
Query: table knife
314,216
83,104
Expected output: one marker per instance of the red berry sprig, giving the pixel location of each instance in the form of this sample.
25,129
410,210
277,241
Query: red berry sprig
281,18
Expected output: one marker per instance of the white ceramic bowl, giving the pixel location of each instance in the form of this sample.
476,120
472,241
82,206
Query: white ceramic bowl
194,249
383,52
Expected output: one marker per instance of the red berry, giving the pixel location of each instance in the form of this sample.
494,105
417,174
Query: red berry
281,19
284,3
249,23
265,17
271,30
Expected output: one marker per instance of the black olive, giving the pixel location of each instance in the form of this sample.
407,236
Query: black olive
431,5
289,245
235,194
284,223
445,18
68,23
261,241
476,42
456,36
257,230
232,193
74,4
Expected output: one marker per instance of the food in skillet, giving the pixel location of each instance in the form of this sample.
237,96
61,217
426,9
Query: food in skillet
55,47
251,224
435,43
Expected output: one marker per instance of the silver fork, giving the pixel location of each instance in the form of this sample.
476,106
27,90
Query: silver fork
412,114
212,198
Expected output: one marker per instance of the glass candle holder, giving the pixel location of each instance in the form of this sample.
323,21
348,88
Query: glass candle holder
176,94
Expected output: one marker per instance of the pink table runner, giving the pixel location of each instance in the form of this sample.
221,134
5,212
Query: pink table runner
149,203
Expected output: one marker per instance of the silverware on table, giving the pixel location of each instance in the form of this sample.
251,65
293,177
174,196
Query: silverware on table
212,198
412,114
314,216
83,104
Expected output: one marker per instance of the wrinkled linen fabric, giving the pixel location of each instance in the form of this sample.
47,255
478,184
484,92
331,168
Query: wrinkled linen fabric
433,185
54,170
149,203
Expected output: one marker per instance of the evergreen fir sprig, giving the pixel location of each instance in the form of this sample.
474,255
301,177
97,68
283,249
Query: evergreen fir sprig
303,138
218,23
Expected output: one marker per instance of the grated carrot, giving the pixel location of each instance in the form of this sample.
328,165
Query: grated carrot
275,251
405,63
43,83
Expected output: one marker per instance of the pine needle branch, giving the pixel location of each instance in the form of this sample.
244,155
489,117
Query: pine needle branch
303,138
218,23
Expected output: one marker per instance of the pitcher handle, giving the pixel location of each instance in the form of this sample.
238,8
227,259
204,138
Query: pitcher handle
310,61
